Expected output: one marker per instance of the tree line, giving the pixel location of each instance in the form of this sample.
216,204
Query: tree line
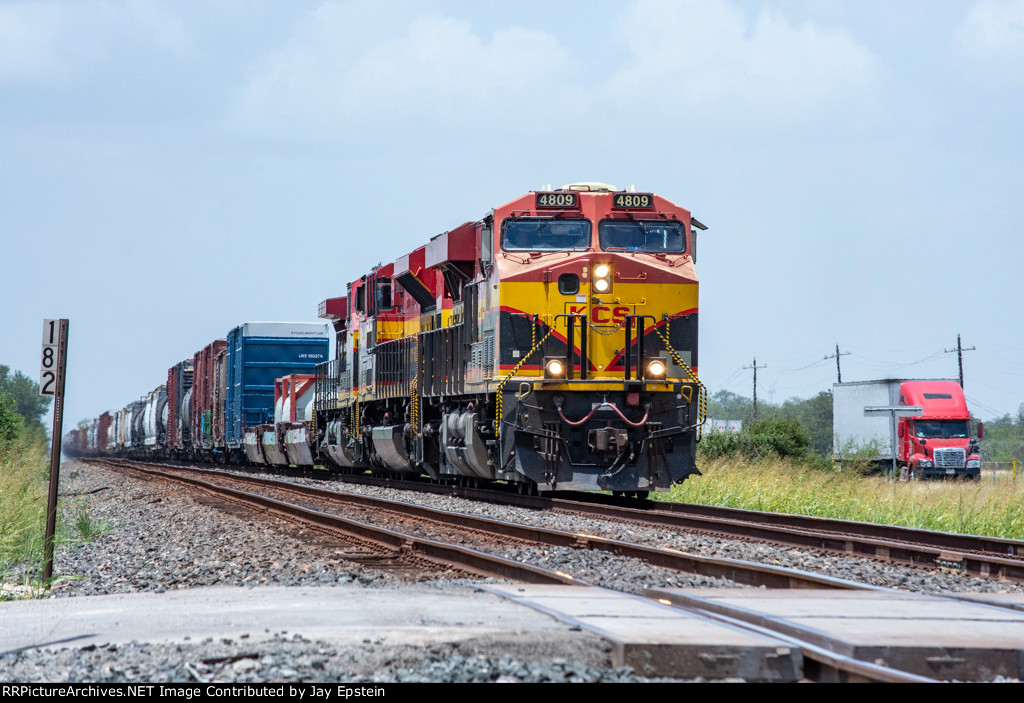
1003,441
21,409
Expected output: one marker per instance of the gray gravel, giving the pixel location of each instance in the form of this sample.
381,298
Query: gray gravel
149,538
145,537
850,568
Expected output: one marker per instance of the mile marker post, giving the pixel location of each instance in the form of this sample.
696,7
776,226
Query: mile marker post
53,364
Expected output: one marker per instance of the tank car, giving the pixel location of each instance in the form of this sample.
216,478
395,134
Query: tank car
551,344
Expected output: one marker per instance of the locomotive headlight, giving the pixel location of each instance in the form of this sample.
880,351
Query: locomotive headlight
656,368
602,270
554,368
602,278
601,285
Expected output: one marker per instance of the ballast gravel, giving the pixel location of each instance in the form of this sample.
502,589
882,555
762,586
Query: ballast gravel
143,537
133,536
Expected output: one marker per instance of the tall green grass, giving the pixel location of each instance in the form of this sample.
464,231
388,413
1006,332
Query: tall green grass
24,471
777,485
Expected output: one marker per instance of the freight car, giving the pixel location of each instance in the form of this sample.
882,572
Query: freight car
201,412
551,344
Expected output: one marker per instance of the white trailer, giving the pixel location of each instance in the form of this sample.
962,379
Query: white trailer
852,430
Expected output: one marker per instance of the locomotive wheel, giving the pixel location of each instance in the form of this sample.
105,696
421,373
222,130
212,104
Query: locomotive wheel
641,495
526,489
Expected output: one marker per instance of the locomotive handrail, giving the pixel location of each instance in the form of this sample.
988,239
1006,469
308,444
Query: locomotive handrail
501,384
702,397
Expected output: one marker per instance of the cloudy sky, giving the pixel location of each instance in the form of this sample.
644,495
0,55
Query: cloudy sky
170,170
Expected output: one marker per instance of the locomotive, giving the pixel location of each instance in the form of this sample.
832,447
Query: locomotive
551,344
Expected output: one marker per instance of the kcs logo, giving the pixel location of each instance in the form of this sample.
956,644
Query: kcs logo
601,314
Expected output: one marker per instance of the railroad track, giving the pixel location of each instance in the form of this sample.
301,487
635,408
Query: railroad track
297,508
972,555
296,503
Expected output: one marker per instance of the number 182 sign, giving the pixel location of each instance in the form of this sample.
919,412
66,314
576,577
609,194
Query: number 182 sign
51,365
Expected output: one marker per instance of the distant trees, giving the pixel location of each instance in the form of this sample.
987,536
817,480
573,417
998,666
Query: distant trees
25,392
11,423
21,409
1004,438
813,415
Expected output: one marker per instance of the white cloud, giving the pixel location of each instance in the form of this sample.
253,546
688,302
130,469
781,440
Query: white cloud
357,65
363,68
704,55
993,29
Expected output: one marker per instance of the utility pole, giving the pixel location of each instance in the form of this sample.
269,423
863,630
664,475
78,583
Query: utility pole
960,357
755,367
839,372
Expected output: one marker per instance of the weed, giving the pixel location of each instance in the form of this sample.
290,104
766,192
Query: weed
88,529
781,485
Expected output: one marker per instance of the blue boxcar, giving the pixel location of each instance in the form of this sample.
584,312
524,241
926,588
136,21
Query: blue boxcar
256,354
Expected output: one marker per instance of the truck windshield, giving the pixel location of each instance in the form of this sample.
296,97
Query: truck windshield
547,234
656,236
941,429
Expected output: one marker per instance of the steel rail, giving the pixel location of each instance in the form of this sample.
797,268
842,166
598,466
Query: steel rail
439,553
947,541
975,555
738,571
826,666
978,556
904,545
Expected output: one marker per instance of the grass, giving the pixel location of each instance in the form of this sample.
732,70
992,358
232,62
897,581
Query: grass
23,485
24,479
775,485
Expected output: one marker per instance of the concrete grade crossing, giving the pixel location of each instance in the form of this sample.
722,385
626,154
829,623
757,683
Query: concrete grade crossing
930,636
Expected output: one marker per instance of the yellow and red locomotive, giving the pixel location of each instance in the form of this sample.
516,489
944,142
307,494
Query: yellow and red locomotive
551,344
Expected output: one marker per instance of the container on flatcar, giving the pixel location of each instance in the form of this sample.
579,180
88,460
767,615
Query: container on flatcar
258,353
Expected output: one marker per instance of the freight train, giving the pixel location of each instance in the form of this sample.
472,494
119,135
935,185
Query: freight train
551,344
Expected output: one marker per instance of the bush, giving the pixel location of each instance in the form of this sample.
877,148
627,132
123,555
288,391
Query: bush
784,438
11,423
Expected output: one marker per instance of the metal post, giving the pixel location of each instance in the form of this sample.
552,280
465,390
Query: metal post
894,411
55,447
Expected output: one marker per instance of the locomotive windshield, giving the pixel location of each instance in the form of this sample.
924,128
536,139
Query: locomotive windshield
547,234
941,429
655,236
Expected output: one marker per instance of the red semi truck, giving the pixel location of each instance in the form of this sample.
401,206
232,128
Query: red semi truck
935,444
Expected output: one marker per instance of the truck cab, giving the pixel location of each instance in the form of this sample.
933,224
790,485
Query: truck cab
938,443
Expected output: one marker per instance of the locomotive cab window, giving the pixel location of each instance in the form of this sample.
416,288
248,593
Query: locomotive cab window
384,301
654,236
544,234
568,284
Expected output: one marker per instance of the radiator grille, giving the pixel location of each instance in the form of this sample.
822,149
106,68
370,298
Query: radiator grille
950,458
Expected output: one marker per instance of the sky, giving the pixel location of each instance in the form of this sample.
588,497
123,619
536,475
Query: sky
171,170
